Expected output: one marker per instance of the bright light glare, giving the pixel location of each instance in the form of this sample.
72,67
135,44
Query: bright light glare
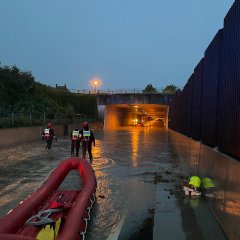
95,83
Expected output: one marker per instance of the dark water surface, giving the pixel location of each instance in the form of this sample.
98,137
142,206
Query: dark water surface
138,174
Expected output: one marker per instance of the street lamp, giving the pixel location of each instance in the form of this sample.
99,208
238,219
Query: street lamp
95,83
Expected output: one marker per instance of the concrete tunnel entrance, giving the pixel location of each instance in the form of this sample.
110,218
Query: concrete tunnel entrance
142,115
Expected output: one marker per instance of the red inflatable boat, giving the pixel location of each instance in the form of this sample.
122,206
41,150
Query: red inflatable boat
53,214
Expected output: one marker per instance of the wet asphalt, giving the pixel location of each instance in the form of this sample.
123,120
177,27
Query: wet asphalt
138,196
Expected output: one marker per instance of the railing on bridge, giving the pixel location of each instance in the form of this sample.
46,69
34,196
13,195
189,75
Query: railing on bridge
116,91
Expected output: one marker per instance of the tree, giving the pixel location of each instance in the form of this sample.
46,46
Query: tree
170,89
149,89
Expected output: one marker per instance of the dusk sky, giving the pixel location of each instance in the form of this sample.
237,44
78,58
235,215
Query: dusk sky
126,43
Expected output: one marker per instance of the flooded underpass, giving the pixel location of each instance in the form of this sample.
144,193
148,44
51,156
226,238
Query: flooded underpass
139,172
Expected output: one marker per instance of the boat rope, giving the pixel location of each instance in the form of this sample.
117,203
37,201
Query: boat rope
42,217
88,217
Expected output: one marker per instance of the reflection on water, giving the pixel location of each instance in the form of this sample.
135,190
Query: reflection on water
125,163
135,143
125,173
120,158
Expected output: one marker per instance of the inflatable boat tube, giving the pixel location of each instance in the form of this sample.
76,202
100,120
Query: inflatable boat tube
65,213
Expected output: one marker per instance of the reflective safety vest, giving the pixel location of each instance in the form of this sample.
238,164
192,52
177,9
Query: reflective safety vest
207,183
195,181
75,135
47,133
86,135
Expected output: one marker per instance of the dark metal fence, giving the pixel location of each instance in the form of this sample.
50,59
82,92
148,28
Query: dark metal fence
214,90
21,119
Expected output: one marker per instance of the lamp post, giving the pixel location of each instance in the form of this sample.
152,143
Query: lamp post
95,83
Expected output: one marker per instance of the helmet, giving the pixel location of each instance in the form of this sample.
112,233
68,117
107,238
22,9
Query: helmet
49,125
85,124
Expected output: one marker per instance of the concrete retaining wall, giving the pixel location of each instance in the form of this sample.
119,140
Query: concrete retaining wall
224,171
11,136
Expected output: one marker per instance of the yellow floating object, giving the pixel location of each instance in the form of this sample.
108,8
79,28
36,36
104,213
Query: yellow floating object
46,233
49,232
57,226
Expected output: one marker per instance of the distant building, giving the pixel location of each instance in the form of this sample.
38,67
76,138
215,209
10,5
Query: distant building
62,88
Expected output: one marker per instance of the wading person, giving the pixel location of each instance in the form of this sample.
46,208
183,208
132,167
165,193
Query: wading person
48,135
87,139
75,141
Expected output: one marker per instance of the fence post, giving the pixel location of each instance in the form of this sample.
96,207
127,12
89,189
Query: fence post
12,119
30,118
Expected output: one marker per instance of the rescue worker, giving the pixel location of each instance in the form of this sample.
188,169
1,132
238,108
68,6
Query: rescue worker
75,137
207,183
87,139
48,135
194,183
207,187
192,187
